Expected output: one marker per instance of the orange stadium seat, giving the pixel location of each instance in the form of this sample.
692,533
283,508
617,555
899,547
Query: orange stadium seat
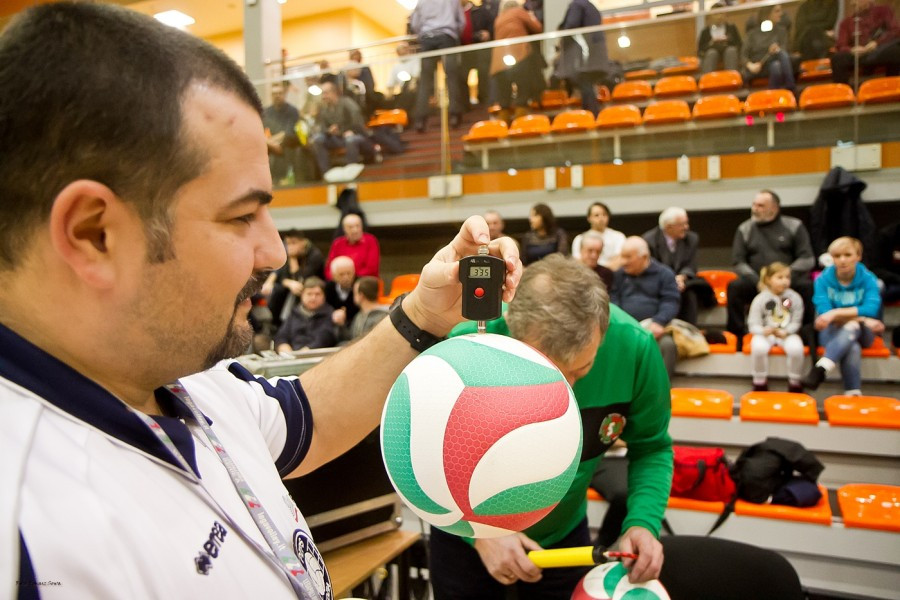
641,74
573,121
691,504
779,407
881,89
632,91
717,107
675,85
718,281
720,81
487,131
689,64
776,350
815,70
770,101
667,111
396,116
863,411
876,350
702,402
552,99
729,347
827,95
820,513
625,115
494,109
870,506
400,285
529,126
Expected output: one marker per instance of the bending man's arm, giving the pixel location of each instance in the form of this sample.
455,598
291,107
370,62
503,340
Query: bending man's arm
344,410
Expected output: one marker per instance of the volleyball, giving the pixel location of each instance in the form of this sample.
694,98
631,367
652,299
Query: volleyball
610,582
481,435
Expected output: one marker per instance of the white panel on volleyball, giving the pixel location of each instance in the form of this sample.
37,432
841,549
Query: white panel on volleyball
516,459
508,344
433,389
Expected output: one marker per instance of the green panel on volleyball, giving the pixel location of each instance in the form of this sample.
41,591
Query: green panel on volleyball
640,594
531,496
397,456
612,578
460,528
479,365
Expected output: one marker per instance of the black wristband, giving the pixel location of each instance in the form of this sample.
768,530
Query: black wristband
418,339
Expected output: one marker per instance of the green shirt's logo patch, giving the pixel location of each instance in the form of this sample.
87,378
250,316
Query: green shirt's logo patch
611,428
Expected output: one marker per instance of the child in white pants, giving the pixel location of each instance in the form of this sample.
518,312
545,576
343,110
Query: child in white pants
775,318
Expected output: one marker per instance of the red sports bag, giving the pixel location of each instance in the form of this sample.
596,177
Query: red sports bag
702,474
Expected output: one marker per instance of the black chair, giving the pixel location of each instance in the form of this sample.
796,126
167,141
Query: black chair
704,568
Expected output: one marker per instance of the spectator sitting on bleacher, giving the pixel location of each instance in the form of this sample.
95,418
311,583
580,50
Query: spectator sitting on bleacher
404,79
878,45
366,81
847,304
360,246
340,124
339,290
516,64
598,216
591,247
766,237
309,324
673,244
365,296
814,35
719,42
283,286
287,161
764,53
646,290
545,236
495,223
774,320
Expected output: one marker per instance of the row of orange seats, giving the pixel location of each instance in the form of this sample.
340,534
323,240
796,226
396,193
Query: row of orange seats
829,95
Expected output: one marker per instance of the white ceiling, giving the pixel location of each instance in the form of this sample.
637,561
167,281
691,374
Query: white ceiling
225,16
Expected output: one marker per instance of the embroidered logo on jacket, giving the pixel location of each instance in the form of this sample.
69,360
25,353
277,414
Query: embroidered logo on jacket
210,548
611,428
309,556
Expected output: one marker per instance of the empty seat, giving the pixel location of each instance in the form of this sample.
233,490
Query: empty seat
702,402
827,95
400,285
881,89
776,350
720,81
641,74
691,504
676,85
625,115
396,116
820,513
529,126
876,350
717,107
729,347
667,111
573,121
863,411
689,64
815,70
770,101
718,281
632,91
779,407
553,99
487,131
870,506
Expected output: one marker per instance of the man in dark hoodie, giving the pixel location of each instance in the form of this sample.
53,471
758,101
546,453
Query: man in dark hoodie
309,324
767,236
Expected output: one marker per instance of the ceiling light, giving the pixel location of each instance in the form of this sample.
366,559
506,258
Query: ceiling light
404,76
408,4
174,18
509,60
314,90
765,25
624,41
282,1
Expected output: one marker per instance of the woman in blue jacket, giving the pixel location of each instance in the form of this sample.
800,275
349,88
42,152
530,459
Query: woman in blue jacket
847,304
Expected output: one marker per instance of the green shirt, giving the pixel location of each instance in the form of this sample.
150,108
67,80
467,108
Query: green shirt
628,378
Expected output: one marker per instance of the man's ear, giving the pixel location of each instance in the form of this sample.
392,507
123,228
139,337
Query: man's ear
86,219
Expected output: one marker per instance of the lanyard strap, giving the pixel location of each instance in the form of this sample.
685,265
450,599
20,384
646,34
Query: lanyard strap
298,576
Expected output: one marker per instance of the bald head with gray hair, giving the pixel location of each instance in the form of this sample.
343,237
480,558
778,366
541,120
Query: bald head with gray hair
557,302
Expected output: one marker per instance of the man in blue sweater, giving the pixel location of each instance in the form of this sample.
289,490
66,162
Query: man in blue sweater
646,289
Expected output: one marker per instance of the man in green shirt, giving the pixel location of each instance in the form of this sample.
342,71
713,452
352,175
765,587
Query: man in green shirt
562,309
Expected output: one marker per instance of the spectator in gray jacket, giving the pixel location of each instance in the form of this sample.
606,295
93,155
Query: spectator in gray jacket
646,290
767,237
339,124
